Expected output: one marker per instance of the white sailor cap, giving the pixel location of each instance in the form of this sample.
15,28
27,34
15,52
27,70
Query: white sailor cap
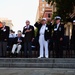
74,21
44,19
57,18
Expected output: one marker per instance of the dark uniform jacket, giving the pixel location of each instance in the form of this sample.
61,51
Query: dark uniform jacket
16,40
4,35
28,35
73,34
59,33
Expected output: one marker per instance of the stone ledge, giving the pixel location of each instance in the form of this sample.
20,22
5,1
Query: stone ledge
38,65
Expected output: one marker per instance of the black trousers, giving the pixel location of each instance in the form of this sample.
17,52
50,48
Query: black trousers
3,48
27,48
58,47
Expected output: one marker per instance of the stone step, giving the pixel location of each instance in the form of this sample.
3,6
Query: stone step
26,60
37,60
37,63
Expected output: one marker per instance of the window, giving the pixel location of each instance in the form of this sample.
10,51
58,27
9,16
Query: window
47,5
49,16
43,9
43,0
43,5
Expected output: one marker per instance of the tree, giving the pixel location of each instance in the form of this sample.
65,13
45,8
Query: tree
64,7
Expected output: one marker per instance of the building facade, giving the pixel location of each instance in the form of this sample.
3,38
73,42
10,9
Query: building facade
7,21
44,10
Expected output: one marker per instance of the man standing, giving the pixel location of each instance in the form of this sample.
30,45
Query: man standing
58,35
4,35
73,35
28,31
43,37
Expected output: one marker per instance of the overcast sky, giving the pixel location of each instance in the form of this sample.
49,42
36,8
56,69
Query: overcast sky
19,11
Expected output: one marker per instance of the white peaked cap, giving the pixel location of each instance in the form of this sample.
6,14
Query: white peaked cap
44,19
73,20
58,17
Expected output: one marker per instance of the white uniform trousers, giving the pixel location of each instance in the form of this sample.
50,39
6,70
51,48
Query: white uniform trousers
43,45
16,46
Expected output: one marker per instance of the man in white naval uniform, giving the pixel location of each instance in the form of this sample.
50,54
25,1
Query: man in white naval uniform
43,37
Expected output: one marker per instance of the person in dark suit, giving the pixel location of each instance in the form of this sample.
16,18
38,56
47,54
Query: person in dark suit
58,35
18,43
4,36
43,35
28,31
73,35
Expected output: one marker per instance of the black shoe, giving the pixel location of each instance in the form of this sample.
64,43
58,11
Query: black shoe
0,57
16,55
12,55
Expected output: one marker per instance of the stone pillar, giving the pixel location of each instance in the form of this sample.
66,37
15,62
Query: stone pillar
68,29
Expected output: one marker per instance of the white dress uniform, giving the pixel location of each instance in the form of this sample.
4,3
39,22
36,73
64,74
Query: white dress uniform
43,43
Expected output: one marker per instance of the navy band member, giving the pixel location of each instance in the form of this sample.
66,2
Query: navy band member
73,35
58,35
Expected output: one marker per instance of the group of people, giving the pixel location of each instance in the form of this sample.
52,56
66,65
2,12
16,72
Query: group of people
45,32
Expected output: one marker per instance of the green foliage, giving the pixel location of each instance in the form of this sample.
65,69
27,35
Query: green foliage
64,8
35,31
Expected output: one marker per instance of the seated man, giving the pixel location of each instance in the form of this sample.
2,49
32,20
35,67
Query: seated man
18,41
